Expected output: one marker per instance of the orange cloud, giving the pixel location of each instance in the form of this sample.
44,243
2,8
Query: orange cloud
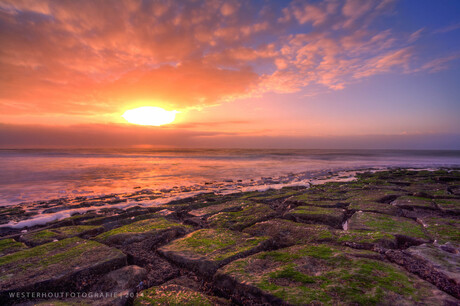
90,57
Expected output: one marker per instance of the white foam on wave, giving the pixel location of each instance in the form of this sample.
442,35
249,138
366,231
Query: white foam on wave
42,219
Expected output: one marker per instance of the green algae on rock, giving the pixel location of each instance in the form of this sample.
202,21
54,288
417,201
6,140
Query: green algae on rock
56,265
441,229
271,194
206,250
141,230
398,226
40,237
374,207
449,205
221,207
49,235
247,216
287,233
411,202
9,245
309,262
313,214
322,274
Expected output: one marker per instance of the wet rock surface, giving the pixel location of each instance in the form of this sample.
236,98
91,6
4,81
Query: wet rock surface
207,249
53,265
389,237
10,245
49,235
321,274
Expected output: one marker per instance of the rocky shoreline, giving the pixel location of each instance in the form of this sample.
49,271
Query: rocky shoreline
390,237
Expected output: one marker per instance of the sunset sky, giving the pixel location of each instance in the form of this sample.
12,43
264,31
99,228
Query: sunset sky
262,74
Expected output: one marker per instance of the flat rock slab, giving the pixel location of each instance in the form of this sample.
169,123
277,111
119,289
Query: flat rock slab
445,262
56,265
118,220
398,226
312,214
442,230
176,295
122,283
411,202
247,216
9,245
325,192
156,230
206,250
379,195
449,205
287,233
322,274
49,235
370,206
214,209
271,195
439,265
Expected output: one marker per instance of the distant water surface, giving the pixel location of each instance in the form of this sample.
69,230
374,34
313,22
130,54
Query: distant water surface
30,175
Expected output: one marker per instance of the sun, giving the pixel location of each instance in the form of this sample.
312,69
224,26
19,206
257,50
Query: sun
149,115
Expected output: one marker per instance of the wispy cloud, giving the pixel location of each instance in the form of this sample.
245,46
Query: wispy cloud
449,28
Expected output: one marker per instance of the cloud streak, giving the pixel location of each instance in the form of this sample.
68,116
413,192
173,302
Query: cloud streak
83,136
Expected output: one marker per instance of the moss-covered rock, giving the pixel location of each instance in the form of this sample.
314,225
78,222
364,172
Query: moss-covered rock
9,245
451,206
207,249
322,274
214,209
366,239
320,194
56,265
49,235
117,220
411,202
441,229
375,194
247,216
287,233
312,214
398,226
176,295
158,229
39,237
369,206
271,194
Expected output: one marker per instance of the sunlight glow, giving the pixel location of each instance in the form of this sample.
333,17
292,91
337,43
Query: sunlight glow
149,115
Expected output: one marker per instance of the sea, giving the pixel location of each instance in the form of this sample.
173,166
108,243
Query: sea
28,175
